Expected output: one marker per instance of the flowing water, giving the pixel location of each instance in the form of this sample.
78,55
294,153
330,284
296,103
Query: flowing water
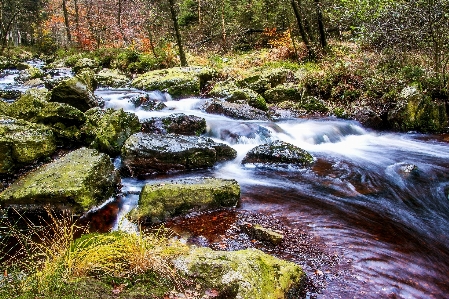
377,202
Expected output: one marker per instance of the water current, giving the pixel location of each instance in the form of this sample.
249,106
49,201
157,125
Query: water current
376,201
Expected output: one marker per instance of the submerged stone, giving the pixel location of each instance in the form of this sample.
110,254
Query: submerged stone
244,274
145,154
278,153
158,202
22,142
80,179
261,233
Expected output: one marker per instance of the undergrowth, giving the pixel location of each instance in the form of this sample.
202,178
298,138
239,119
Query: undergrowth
51,260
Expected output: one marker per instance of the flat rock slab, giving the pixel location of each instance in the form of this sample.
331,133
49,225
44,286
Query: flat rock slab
80,179
158,202
244,274
145,154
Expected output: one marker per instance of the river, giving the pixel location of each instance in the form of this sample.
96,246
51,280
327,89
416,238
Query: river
375,205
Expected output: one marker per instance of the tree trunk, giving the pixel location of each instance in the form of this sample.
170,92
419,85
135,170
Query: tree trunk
119,15
300,26
66,21
319,13
182,55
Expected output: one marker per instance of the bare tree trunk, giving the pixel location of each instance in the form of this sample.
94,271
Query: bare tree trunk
319,13
200,21
300,26
223,26
66,21
182,54
77,18
119,15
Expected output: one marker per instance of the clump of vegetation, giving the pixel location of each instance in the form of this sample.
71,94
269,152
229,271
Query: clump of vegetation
51,262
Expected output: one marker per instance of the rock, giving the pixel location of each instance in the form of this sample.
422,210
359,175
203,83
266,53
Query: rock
278,153
10,94
145,154
75,93
152,101
177,123
416,111
178,81
258,232
234,133
4,108
233,110
159,202
107,130
262,80
87,76
30,73
111,78
22,142
234,94
85,63
29,104
80,179
243,274
282,93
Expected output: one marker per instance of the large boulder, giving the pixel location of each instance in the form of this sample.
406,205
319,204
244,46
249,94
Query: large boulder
282,93
264,79
178,81
107,130
416,111
177,123
234,94
111,78
234,110
22,142
80,180
145,154
75,93
29,104
86,63
158,202
278,153
243,274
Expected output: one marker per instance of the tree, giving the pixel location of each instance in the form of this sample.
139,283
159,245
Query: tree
174,18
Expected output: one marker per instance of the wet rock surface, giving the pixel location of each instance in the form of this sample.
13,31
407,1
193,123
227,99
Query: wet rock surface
230,92
80,180
234,110
158,202
145,154
278,153
177,123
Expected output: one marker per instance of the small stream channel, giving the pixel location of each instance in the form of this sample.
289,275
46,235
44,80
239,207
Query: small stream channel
370,219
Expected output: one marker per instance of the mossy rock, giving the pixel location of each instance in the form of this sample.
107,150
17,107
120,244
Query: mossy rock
235,110
80,179
107,130
76,93
278,153
265,79
244,274
178,82
282,93
29,104
22,142
4,108
88,77
159,202
234,94
111,78
85,63
177,123
416,111
145,154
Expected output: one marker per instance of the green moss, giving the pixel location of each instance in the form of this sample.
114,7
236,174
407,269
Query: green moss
29,104
83,177
232,93
160,201
250,273
284,92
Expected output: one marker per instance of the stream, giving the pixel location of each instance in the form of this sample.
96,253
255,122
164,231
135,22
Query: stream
374,207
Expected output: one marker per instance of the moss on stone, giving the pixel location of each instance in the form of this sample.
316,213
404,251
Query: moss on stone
234,94
157,202
246,274
264,79
111,78
282,93
81,178
23,142
107,130
29,104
